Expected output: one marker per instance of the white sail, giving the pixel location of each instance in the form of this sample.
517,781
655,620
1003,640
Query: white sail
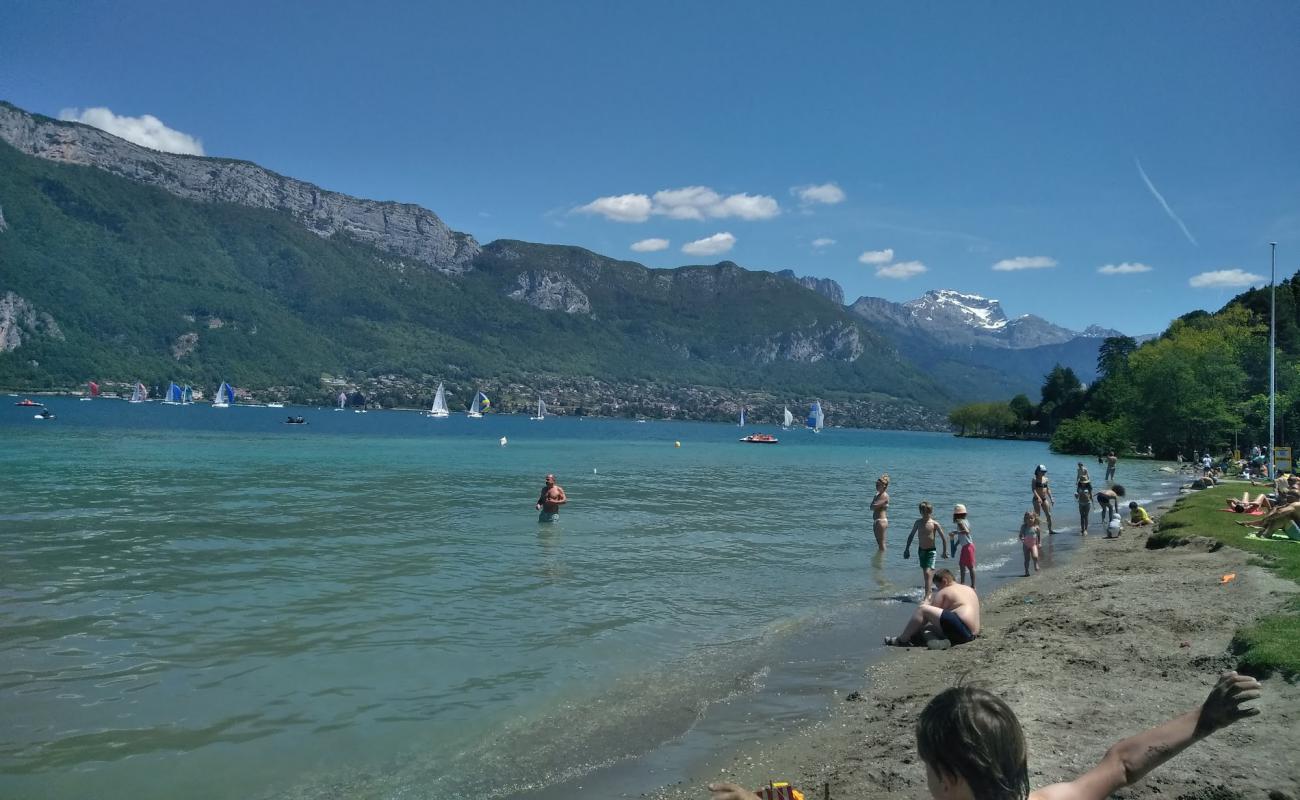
815,417
788,418
139,394
342,400
225,395
742,417
541,409
440,403
480,404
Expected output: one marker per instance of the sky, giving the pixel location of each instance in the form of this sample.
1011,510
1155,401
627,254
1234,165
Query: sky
1111,163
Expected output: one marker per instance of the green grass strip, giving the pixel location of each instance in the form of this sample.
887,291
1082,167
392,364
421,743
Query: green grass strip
1273,643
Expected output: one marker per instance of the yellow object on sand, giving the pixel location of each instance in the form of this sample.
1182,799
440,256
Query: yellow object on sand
1231,576
779,790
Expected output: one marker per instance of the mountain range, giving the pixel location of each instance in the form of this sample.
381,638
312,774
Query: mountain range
122,263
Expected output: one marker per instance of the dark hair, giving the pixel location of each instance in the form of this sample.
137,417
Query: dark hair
944,574
1117,489
1133,504
972,734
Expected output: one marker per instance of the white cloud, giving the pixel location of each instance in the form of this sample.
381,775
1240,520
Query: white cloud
710,245
701,202
826,193
1024,262
650,245
689,202
1225,279
620,208
146,131
877,256
818,244
902,270
1126,268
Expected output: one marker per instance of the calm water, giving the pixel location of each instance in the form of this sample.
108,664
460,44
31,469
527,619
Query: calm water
211,604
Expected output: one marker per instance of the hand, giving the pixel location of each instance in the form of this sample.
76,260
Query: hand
1223,706
539,506
906,553
730,791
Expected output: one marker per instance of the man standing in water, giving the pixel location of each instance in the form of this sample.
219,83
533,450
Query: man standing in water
551,499
880,510
1111,461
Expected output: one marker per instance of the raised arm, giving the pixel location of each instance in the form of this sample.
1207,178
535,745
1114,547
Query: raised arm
1128,761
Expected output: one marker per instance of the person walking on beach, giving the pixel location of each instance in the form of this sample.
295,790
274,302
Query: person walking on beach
973,746
1043,501
551,499
1030,538
924,530
1111,460
963,544
954,614
1108,499
1084,496
880,510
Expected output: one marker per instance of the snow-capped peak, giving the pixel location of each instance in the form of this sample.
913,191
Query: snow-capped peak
967,309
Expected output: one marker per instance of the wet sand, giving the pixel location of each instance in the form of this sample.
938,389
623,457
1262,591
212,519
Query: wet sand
1117,640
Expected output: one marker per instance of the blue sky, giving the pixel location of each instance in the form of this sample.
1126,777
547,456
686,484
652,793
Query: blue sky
952,137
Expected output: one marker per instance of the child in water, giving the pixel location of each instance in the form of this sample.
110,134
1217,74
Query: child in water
964,544
1030,536
924,530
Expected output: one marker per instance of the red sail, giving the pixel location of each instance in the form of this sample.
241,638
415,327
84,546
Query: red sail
94,389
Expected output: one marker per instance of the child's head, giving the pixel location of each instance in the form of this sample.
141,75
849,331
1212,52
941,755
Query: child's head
1030,518
1118,490
959,511
1132,506
925,508
971,735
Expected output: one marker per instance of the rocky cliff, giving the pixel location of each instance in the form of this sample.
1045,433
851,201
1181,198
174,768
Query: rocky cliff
825,287
19,319
400,229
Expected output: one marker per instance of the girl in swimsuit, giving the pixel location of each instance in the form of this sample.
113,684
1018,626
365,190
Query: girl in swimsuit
880,510
965,545
1029,537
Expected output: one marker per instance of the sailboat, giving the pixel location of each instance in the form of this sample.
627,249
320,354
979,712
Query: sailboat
481,404
815,417
94,390
342,401
140,393
742,417
187,395
541,409
787,419
173,397
440,403
225,396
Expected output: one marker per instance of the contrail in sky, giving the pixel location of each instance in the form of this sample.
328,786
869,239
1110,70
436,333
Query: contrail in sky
1161,198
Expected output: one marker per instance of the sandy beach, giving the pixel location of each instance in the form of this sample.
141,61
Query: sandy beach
1117,640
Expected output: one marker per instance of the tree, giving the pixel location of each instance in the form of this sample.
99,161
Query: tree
1063,396
1112,356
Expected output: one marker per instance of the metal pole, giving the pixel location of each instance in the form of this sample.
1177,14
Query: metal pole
1272,353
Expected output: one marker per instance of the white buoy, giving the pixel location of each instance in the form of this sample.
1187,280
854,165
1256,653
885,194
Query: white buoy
503,441
677,444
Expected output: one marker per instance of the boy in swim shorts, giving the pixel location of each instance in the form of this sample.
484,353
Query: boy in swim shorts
924,530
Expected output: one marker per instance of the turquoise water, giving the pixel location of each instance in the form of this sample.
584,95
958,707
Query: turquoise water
211,604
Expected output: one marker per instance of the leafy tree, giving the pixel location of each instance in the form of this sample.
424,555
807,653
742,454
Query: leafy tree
1112,356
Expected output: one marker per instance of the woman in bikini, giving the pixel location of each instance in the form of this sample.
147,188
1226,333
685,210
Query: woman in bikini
1042,496
880,510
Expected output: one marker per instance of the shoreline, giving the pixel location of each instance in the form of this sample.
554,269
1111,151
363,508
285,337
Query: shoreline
1085,653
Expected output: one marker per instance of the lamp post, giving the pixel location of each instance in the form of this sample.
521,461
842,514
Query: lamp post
1272,354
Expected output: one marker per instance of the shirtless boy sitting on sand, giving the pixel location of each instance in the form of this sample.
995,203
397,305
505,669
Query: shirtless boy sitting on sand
926,527
954,614
972,746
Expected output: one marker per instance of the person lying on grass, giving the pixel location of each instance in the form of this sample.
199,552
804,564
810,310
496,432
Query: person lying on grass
974,748
1282,518
1246,506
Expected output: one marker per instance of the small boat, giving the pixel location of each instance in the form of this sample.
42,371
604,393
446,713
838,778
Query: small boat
139,394
760,438
439,408
29,403
275,405
816,419
787,419
94,391
296,421
45,414
173,396
480,405
541,410
358,411
342,401
187,396
225,397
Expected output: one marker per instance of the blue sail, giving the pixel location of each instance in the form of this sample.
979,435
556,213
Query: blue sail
173,393
815,416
